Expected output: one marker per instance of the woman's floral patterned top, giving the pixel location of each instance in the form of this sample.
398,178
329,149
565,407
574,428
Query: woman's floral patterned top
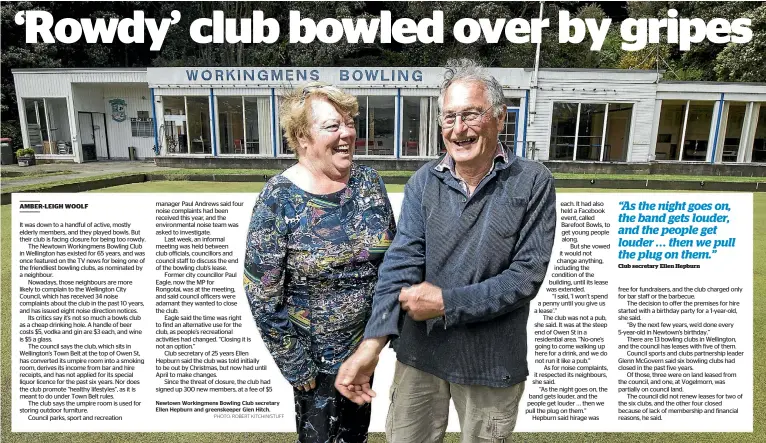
311,267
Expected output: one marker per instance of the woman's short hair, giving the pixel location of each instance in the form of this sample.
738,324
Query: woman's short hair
295,110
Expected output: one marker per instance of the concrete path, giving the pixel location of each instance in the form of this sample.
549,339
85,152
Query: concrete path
78,170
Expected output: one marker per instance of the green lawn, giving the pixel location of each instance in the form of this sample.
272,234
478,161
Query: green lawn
43,186
34,174
187,172
759,360
650,177
726,178
181,174
182,186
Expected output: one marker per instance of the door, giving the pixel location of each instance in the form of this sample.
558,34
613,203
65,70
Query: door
87,135
617,135
99,135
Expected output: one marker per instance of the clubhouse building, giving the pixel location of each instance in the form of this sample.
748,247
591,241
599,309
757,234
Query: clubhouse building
227,117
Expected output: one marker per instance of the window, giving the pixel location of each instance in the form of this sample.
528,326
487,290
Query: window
231,125
48,125
759,141
142,125
174,116
258,126
187,125
687,123
420,127
37,125
198,124
375,125
735,123
618,123
590,131
508,135
243,125
563,124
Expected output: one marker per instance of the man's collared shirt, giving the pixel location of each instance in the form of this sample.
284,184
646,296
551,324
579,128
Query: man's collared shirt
448,163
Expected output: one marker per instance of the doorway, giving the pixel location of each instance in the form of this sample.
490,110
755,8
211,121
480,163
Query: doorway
87,136
100,135
93,136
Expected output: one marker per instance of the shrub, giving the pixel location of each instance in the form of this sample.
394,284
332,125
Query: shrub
25,151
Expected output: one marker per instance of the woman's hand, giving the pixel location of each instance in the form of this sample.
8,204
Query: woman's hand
311,384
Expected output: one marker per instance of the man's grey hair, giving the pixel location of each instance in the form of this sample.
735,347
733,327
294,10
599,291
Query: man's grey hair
466,70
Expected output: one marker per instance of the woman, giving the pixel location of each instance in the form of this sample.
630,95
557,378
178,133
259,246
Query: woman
317,235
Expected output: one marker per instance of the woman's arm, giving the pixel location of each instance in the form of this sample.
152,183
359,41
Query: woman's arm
264,278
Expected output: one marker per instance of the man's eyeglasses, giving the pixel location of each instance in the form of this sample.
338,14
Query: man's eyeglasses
468,117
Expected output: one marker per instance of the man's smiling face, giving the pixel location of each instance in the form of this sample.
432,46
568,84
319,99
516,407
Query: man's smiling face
474,144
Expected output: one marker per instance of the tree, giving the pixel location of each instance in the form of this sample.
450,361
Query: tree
702,56
745,62
15,57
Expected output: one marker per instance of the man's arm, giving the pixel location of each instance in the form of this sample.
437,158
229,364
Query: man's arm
519,283
402,266
355,374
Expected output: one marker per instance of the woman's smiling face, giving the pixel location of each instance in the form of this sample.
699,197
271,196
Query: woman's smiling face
330,145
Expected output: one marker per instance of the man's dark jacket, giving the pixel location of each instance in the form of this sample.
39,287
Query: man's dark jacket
488,252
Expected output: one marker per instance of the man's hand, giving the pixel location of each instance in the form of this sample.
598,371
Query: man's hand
422,301
355,374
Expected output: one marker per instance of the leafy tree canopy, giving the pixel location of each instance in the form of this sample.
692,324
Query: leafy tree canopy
705,60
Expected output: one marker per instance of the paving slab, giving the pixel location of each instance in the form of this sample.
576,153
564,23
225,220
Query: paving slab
78,170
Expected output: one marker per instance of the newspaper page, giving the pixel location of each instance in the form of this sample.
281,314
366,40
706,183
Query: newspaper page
128,314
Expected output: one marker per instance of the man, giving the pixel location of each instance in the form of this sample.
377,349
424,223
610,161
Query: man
475,236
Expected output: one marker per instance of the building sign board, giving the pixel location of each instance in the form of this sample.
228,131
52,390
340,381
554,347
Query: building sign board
341,76
119,108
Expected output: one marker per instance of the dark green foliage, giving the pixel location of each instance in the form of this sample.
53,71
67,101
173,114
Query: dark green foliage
705,61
